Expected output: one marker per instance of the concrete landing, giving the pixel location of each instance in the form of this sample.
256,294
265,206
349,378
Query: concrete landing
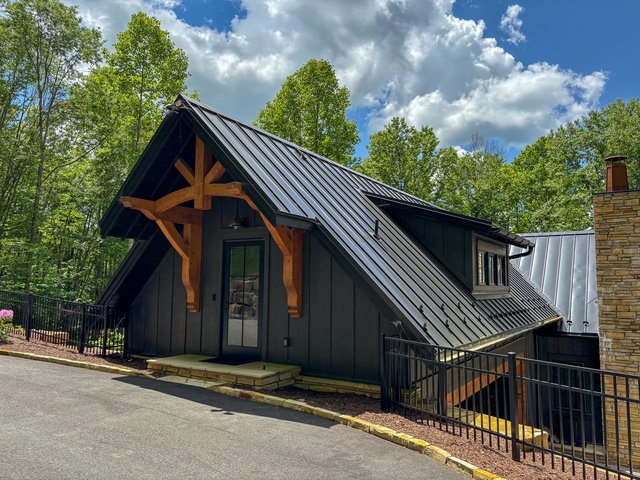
261,375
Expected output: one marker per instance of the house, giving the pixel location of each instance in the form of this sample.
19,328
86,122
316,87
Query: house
250,247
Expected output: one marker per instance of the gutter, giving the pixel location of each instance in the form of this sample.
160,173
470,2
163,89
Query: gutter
523,254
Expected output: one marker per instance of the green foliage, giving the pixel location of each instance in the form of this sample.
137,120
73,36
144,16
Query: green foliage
4,334
73,120
556,176
115,338
402,156
149,71
548,187
476,184
310,110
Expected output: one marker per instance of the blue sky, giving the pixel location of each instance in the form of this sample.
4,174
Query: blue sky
583,36
450,65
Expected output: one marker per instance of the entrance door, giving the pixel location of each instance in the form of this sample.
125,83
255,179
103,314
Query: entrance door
242,302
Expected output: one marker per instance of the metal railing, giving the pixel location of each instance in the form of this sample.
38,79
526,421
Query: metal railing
92,329
576,419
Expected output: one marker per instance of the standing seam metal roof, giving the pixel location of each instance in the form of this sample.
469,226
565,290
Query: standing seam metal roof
301,183
563,269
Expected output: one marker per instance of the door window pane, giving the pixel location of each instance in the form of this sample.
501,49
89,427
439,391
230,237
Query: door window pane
243,296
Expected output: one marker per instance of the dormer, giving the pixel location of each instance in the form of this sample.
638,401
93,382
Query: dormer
474,251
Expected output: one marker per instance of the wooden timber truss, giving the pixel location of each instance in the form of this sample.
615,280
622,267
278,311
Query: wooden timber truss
203,186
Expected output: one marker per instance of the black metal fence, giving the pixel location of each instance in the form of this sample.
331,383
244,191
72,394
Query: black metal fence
576,419
92,329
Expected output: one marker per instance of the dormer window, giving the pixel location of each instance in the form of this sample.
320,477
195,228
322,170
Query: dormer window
491,272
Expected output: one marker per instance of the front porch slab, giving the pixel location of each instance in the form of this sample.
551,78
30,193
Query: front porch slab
260,375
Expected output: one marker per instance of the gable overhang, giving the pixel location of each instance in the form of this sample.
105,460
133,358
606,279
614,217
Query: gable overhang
173,136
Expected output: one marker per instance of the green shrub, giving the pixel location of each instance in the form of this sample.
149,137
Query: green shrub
17,329
4,334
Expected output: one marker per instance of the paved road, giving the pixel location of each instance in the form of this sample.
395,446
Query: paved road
59,422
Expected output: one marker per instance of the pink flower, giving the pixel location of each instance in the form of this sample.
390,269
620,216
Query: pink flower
6,314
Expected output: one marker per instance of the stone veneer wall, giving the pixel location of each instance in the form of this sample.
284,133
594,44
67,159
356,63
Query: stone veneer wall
617,235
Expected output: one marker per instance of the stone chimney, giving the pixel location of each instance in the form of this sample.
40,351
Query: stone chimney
616,221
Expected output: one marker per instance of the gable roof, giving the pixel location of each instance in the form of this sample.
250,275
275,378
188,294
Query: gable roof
563,268
296,187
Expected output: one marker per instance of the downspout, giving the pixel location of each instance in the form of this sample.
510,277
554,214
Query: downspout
523,254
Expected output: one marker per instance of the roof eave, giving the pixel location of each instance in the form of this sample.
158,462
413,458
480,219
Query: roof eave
139,170
495,341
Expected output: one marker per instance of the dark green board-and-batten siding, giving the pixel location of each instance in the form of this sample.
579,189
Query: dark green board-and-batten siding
449,243
337,335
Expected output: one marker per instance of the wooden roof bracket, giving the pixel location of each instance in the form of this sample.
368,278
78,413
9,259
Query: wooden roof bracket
188,244
167,212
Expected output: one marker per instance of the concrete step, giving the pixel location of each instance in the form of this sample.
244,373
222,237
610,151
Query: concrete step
260,375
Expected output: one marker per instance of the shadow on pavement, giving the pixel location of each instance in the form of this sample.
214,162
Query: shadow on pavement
222,404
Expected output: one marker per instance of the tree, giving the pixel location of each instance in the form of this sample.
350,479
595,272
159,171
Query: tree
117,110
402,156
556,176
475,183
150,70
54,44
310,110
95,125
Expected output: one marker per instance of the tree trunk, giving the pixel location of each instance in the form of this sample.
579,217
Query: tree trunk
35,214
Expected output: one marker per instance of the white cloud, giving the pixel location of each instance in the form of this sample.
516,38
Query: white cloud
511,23
398,57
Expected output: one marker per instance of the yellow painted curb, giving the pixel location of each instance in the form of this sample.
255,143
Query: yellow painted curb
437,453
464,467
484,475
75,363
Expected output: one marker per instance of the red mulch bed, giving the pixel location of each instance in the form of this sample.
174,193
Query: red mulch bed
19,344
488,458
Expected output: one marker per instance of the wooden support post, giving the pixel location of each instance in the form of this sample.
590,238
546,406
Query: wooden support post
203,164
292,274
191,265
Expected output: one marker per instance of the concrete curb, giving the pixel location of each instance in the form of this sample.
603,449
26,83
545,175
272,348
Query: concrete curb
76,363
407,441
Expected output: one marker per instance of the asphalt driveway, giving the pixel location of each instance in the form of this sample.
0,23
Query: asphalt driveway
59,422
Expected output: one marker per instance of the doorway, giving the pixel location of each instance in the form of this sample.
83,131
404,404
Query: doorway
242,299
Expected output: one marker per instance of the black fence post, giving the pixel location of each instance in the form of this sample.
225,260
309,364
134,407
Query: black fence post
442,390
83,329
29,317
105,316
513,406
125,336
383,375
